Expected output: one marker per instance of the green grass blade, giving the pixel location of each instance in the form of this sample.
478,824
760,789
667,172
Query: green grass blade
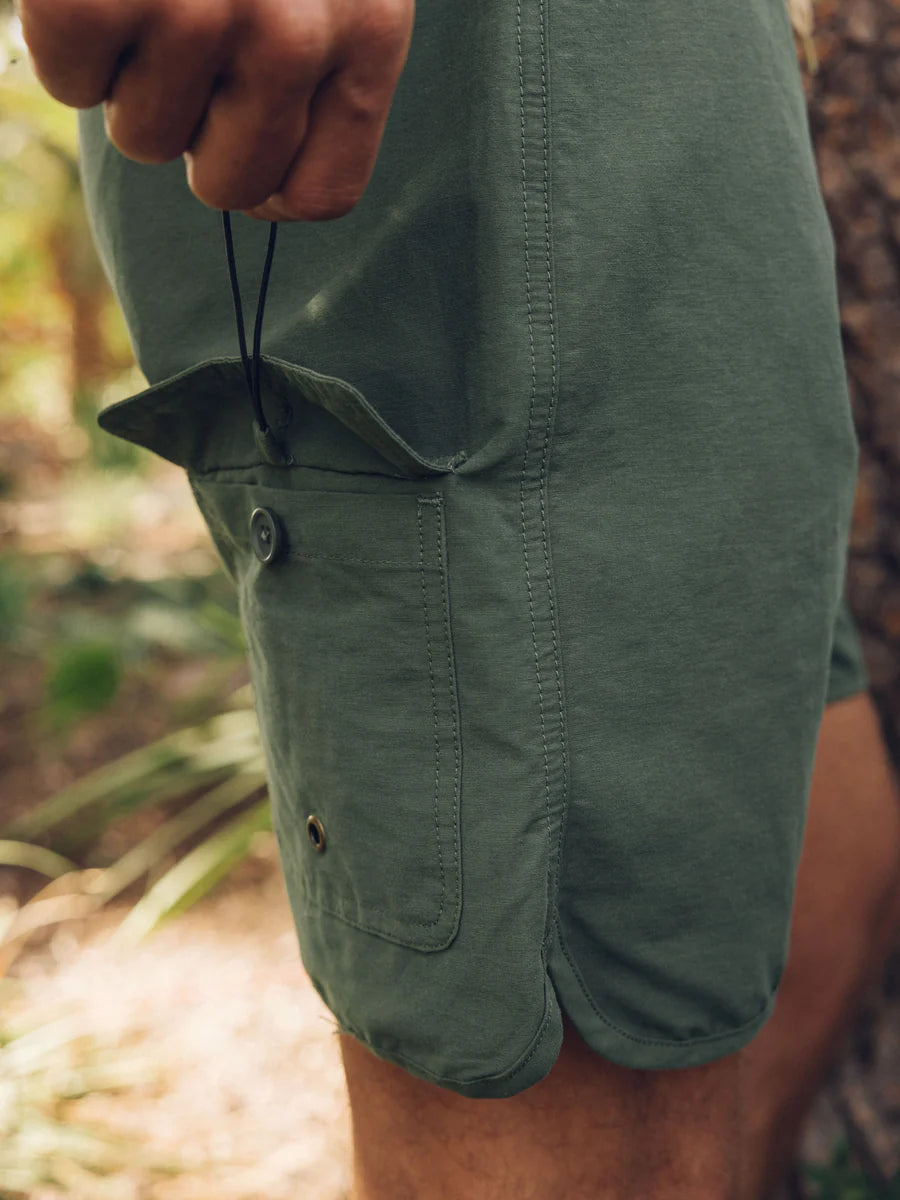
137,861
41,1139
193,754
38,914
35,858
39,1045
194,875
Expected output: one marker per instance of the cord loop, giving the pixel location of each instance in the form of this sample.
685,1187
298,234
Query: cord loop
251,371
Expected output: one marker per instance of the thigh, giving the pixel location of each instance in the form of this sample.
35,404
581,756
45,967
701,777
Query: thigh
845,919
588,1129
845,901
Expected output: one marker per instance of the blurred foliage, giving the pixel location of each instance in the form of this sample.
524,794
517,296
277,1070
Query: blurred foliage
214,770
13,600
64,346
90,621
44,1068
86,632
841,1179
88,616
83,677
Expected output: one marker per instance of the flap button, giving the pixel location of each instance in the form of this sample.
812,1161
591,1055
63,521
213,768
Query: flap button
265,535
316,832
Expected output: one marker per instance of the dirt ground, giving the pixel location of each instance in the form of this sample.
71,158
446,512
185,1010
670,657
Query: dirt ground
244,1078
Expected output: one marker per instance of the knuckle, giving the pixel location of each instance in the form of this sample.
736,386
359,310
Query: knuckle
361,104
201,24
300,44
384,22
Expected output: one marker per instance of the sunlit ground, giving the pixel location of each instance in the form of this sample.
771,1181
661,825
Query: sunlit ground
236,1072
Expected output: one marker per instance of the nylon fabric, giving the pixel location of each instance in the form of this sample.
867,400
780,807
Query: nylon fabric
563,515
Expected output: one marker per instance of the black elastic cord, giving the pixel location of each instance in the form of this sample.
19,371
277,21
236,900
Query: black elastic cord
251,374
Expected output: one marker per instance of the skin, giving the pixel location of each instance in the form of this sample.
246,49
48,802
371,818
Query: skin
277,106
846,920
591,1130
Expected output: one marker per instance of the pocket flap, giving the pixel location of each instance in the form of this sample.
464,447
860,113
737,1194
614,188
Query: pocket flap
202,420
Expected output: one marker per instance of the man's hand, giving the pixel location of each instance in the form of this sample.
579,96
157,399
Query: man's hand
278,106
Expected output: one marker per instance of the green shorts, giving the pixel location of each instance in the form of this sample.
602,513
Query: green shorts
544,609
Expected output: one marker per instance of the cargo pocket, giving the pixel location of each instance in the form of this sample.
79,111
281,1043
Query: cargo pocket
340,561
344,600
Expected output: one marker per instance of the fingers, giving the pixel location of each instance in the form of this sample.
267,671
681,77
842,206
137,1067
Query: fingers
333,165
76,49
160,97
278,106
252,129
332,168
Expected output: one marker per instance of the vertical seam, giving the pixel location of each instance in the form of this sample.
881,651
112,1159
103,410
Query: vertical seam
550,415
452,694
434,713
548,744
537,665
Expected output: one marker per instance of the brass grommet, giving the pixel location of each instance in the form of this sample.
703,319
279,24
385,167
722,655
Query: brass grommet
315,831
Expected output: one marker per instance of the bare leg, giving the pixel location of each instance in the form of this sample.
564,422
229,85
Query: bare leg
590,1130
846,916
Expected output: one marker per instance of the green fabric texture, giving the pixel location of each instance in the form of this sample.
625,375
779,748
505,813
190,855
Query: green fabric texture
557,602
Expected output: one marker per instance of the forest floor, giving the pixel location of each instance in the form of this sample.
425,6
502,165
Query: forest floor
241,1080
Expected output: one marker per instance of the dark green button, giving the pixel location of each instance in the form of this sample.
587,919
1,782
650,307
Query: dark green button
316,832
265,535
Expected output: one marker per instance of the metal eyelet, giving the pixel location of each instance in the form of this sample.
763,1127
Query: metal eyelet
316,832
